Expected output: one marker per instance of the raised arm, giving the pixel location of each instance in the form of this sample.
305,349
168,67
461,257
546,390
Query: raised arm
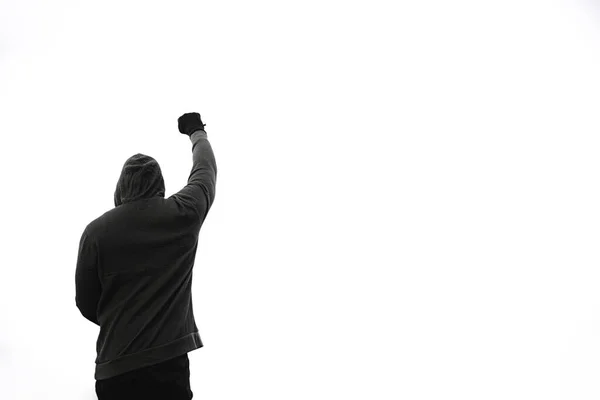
200,191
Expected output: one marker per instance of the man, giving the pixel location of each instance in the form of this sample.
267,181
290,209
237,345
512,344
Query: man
134,276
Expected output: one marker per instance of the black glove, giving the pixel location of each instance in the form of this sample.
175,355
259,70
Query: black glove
189,123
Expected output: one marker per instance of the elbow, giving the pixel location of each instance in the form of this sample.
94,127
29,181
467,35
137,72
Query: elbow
87,313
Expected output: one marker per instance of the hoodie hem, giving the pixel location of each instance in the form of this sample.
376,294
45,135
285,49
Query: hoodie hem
148,357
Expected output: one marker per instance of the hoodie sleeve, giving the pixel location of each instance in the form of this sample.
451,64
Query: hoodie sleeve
199,193
87,280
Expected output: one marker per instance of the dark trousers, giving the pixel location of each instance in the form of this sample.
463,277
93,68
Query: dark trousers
167,380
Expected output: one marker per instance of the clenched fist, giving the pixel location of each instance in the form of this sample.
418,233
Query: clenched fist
189,123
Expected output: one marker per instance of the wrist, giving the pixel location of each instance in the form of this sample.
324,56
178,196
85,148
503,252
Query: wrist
197,133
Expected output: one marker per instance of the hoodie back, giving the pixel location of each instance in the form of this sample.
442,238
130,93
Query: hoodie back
134,270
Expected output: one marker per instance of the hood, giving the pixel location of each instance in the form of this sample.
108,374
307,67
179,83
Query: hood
141,178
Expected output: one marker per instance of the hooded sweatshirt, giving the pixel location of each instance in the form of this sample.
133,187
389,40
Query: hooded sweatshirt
135,264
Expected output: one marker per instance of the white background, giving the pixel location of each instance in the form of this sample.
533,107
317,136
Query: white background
407,199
